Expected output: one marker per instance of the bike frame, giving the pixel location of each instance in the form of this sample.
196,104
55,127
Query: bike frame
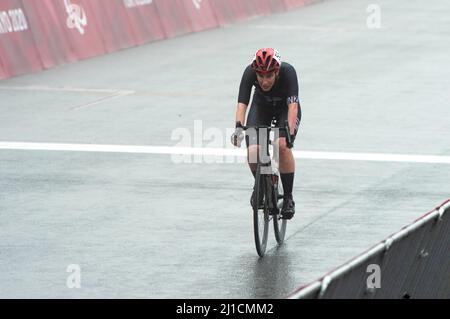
267,178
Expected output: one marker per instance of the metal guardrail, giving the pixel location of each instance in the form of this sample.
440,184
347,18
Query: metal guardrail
412,263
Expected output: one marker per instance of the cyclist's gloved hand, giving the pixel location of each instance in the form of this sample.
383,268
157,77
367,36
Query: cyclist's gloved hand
238,135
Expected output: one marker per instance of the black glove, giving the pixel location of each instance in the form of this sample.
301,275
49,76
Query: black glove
290,144
290,138
238,135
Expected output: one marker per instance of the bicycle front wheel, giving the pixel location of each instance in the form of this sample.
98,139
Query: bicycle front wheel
279,224
260,212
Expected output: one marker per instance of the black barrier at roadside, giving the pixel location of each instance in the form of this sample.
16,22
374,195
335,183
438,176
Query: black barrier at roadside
411,264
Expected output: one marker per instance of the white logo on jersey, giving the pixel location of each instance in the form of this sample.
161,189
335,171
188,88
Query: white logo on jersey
77,17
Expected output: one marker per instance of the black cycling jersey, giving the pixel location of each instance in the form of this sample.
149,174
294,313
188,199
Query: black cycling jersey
283,92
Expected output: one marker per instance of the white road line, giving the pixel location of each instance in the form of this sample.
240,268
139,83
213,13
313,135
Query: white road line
376,157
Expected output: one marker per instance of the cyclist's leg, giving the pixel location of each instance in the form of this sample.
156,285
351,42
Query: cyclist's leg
287,162
258,115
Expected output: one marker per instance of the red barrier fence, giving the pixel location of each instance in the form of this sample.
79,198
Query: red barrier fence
40,34
292,4
201,15
224,13
174,18
113,24
2,71
144,20
260,7
80,27
18,50
49,37
277,6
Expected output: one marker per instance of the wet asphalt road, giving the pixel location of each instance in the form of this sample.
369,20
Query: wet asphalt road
145,226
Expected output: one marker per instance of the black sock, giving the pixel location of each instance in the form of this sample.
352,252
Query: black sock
254,173
287,181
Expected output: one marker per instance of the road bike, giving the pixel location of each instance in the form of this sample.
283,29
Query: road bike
267,199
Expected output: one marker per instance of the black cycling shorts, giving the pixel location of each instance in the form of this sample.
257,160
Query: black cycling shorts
262,115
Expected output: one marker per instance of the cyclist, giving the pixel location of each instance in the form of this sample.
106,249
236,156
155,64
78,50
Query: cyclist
275,97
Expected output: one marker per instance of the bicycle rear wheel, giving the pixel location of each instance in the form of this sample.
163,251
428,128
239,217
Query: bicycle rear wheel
260,212
279,224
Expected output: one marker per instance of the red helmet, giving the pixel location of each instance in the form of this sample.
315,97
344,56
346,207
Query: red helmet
266,60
